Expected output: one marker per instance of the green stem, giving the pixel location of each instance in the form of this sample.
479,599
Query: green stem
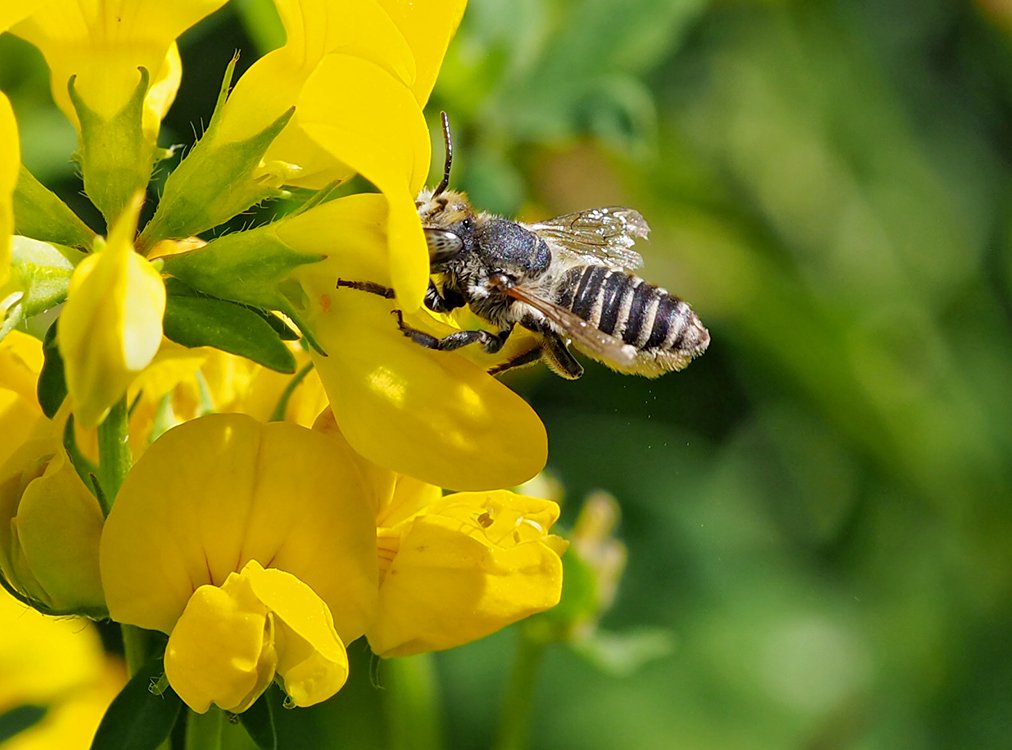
411,703
518,703
286,395
113,453
135,647
203,731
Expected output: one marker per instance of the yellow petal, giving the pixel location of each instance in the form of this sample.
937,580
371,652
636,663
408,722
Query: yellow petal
51,528
162,92
11,13
103,43
221,650
20,415
221,490
469,565
428,25
10,159
446,420
314,29
45,660
312,661
111,325
377,128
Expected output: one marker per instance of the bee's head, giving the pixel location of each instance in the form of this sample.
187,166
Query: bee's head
442,210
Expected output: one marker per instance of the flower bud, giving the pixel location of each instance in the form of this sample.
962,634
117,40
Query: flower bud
50,527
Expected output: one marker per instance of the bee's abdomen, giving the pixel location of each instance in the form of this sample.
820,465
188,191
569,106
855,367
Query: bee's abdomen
627,307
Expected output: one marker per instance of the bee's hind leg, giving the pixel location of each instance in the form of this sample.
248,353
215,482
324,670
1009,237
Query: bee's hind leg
490,342
559,359
527,358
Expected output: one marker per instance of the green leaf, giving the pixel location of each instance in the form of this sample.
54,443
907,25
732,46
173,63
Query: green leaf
248,267
52,386
137,718
258,721
193,321
16,720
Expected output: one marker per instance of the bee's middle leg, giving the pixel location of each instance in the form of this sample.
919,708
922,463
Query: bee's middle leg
490,342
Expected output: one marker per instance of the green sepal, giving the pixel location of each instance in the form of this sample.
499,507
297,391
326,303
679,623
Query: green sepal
115,157
39,279
52,386
623,654
138,718
214,182
249,267
195,320
580,602
258,721
40,214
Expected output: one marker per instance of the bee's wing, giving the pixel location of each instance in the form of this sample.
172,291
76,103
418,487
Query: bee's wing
595,342
598,235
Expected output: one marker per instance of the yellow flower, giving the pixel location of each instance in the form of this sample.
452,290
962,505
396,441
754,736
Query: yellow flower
57,664
115,70
206,499
111,325
433,415
20,415
456,568
50,526
102,43
274,83
461,567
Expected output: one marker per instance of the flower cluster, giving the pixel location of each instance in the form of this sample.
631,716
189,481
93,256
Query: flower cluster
171,457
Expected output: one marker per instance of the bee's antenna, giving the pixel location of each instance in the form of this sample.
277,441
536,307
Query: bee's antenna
445,183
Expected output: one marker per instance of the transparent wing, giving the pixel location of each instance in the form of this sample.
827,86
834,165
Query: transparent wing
594,342
598,235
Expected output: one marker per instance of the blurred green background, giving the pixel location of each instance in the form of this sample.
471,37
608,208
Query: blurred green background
819,511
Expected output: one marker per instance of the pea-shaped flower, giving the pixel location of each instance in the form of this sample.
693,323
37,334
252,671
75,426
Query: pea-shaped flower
460,567
253,546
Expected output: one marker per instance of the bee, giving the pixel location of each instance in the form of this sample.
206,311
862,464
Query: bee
569,280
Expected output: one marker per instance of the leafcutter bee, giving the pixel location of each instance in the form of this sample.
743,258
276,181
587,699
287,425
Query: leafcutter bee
569,280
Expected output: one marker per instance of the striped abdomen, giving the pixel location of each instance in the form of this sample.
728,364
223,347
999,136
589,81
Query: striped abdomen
661,327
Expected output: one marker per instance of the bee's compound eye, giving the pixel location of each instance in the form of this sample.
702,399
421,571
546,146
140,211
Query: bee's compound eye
466,224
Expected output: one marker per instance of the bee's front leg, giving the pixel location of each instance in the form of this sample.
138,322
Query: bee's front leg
367,286
434,300
490,342
442,302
